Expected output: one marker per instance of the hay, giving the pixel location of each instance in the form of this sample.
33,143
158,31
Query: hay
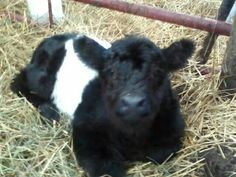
30,148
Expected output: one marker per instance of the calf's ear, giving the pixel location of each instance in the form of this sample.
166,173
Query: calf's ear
18,83
177,54
40,58
90,52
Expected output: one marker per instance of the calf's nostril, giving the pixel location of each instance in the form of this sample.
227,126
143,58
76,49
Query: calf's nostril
141,103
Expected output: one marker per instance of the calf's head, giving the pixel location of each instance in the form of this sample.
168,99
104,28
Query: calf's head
135,76
36,80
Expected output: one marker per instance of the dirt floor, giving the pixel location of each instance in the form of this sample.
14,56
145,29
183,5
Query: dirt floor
30,148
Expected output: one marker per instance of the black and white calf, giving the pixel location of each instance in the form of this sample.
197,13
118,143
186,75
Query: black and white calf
130,112
59,70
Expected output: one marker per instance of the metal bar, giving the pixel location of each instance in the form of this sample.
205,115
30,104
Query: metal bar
200,23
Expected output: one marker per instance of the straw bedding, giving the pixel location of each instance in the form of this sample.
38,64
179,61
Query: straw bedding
28,147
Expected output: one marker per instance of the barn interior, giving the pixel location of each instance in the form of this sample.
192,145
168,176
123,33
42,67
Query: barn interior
29,147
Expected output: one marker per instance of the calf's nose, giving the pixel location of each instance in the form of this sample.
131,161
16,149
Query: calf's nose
133,105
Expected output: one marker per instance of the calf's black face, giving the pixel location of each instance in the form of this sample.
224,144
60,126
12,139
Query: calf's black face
135,77
36,80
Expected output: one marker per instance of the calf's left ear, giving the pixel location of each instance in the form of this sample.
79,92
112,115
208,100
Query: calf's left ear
177,54
90,51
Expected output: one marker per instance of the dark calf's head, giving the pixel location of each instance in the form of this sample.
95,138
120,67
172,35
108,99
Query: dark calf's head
37,79
135,76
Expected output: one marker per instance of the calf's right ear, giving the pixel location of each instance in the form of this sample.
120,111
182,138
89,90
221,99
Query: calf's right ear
90,51
177,53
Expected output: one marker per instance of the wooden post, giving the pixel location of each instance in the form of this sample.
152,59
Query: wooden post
228,74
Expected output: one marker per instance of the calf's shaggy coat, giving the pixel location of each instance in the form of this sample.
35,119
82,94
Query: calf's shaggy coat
129,112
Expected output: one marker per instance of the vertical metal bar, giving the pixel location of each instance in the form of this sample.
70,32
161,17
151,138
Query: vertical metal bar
50,15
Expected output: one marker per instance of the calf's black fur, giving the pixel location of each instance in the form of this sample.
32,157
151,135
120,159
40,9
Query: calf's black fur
130,112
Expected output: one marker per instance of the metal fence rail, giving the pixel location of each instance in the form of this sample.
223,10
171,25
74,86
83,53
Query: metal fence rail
190,21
